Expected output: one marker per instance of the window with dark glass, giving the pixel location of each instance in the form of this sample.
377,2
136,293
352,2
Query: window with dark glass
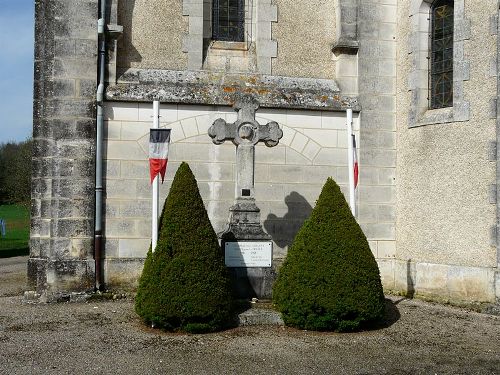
228,20
441,59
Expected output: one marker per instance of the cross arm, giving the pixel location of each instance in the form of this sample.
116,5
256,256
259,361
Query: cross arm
270,133
220,131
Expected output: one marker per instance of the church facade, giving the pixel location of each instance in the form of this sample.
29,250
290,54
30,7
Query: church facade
421,77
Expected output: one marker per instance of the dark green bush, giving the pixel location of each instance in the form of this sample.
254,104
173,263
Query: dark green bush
330,280
184,283
15,173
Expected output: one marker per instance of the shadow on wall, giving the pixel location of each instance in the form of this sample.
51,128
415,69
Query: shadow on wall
127,53
410,285
283,229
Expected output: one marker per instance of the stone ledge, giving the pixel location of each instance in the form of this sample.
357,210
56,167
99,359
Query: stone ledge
460,112
257,315
217,88
345,46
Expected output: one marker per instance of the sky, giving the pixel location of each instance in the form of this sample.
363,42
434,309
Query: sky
16,69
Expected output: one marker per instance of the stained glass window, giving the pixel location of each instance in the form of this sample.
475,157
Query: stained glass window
228,20
441,61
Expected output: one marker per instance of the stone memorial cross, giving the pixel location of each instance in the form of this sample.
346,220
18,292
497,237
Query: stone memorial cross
248,248
245,133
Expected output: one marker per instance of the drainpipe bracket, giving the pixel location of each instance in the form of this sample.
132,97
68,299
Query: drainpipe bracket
100,93
100,26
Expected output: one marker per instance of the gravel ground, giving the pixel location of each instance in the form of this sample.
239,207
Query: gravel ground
107,338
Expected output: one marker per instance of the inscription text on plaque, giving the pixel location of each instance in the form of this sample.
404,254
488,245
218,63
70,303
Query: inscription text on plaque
249,253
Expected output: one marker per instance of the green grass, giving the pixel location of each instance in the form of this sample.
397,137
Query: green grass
17,220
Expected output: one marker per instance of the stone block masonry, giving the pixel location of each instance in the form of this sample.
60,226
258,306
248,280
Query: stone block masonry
61,244
376,74
288,177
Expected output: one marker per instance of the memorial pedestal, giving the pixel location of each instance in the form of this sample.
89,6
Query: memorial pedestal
248,252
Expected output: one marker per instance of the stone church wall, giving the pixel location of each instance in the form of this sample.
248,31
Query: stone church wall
446,211
305,33
427,196
289,177
152,34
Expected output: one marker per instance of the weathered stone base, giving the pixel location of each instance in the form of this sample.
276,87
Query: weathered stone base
57,280
253,282
260,314
54,279
244,225
440,282
122,274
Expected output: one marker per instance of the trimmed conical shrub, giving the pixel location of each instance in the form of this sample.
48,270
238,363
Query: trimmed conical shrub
330,280
184,283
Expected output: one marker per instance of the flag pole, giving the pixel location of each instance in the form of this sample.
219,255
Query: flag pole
350,162
156,183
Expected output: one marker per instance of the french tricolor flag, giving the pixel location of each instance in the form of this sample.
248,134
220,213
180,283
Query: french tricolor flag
158,152
355,159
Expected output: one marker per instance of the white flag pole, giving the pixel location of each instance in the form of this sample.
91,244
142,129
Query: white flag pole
350,162
156,183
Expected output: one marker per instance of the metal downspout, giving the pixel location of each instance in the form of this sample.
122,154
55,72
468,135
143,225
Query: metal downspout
99,139
497,157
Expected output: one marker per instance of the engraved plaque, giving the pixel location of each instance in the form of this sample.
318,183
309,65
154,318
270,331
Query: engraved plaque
248,253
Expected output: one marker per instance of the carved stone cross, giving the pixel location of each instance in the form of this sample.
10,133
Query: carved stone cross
245,133
244,227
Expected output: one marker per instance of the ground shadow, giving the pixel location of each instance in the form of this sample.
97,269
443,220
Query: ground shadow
391,316
10,253
283,229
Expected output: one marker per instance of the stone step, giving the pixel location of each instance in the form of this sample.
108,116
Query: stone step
260,313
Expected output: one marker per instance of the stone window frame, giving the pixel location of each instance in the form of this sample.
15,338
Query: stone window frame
418,80
200,30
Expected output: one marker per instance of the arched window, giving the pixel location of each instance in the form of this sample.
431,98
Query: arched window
228,20
441,51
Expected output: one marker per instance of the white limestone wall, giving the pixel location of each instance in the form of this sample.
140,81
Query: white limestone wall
371,74
288,177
